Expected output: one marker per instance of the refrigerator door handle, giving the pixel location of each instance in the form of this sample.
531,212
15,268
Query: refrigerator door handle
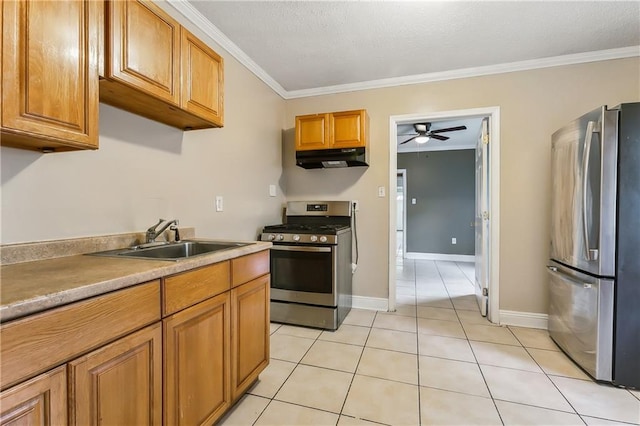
591,254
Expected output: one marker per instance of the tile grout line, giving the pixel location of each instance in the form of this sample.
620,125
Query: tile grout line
415,288
475,357
289,376
356,369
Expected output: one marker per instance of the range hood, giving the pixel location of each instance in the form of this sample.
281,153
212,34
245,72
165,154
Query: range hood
332,158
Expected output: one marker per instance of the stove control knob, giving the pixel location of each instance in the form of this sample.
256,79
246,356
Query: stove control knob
280,237
296,238
272,237
323,239
313,238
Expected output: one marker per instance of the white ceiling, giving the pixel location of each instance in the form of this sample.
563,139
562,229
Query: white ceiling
302,48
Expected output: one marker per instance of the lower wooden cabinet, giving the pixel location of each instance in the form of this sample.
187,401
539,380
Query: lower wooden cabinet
250,337
39,401
197,363
119,384
111,360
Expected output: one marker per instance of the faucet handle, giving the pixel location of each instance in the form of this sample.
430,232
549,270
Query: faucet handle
153,227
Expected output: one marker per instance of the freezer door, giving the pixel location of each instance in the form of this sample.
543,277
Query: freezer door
581,319
583,193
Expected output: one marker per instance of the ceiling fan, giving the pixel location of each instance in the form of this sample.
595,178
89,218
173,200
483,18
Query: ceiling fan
423,134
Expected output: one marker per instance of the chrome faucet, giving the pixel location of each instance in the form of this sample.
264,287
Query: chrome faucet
152,234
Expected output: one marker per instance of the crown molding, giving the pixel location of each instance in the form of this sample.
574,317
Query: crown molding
198,19
578,58
195,17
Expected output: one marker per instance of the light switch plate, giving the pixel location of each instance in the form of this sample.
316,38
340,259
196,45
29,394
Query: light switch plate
381,191
272,190
219,203
413,201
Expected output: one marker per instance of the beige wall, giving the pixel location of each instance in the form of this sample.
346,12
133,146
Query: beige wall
145,170
533,104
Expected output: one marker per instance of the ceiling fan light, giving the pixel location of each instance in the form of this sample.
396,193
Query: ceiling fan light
421,139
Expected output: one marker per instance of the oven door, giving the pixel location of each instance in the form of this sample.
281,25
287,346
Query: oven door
304,274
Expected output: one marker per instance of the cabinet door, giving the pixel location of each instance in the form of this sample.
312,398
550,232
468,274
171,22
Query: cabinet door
197,363
202,79
348,129
312,132
39,401
143,48
119,384
49,74
250,340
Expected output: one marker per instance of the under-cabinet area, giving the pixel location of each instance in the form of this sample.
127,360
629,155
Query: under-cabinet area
177,350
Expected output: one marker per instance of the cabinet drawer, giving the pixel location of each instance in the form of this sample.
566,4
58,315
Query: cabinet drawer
246,268
34,344
183,290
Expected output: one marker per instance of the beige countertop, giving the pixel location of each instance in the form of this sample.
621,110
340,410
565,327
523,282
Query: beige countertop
31,287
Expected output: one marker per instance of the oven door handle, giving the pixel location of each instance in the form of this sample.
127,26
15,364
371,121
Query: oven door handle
301,248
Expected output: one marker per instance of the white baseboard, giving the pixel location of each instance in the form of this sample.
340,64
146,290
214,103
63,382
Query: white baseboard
371,303
438,256
524,319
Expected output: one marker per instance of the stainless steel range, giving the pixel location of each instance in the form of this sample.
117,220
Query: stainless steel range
311,264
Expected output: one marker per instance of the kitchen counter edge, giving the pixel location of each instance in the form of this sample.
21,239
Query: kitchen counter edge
19,298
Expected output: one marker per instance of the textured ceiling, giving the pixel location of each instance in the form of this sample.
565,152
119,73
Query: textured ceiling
314,44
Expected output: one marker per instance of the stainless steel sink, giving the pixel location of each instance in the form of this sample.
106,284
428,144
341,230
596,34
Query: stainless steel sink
172,251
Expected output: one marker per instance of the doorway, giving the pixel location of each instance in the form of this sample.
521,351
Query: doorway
490,259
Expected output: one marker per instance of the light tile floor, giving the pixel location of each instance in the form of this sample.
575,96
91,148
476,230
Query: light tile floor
435,361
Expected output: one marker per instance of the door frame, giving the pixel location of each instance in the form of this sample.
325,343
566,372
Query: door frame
403,173
493,188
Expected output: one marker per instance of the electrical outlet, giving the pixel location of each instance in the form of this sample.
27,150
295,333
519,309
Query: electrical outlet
356,205
219,203
454,241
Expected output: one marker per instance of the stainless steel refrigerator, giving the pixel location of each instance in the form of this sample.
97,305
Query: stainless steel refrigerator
594,270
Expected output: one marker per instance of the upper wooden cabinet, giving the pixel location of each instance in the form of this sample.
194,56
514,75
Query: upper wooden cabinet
312,132
154,67
49,82
346,129
202,79
143,48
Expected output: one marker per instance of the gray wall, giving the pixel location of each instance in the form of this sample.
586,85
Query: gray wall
443,184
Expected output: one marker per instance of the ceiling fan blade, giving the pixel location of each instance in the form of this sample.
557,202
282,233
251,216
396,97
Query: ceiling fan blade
408,134
408,140
449,129
439,137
